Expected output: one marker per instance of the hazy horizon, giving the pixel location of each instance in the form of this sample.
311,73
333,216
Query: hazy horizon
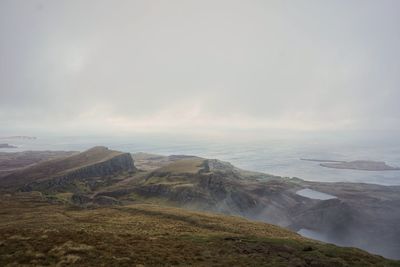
218,69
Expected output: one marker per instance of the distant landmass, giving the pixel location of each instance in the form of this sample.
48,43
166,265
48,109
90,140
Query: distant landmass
322,160
362,165
21,137
7,146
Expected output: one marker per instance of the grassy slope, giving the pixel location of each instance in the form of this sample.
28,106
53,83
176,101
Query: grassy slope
191,166
33,232
57,167
13,161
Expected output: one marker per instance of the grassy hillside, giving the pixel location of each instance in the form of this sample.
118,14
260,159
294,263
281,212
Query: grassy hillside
363,216
14,161
59,167
33,232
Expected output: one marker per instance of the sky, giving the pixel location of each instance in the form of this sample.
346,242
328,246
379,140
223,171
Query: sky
210,67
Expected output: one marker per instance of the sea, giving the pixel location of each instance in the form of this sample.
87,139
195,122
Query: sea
275,156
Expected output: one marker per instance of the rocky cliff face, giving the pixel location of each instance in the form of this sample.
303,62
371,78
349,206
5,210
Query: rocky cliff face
117,164
86,177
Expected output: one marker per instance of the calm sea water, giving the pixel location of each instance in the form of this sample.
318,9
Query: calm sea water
278,157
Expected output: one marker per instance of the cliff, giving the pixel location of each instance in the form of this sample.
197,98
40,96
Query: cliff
58,174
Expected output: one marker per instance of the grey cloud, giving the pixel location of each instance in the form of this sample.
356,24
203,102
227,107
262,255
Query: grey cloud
251,61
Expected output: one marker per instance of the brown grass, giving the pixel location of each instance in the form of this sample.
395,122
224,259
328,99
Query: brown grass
33,232
190,165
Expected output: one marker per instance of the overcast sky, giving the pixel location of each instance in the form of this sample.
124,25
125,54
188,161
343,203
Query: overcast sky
201,67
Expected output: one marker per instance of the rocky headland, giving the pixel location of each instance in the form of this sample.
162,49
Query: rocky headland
347,214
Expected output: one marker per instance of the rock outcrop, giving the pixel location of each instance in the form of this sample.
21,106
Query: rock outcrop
117,164
71,173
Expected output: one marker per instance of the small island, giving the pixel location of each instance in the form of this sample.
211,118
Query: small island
363,165
7,146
